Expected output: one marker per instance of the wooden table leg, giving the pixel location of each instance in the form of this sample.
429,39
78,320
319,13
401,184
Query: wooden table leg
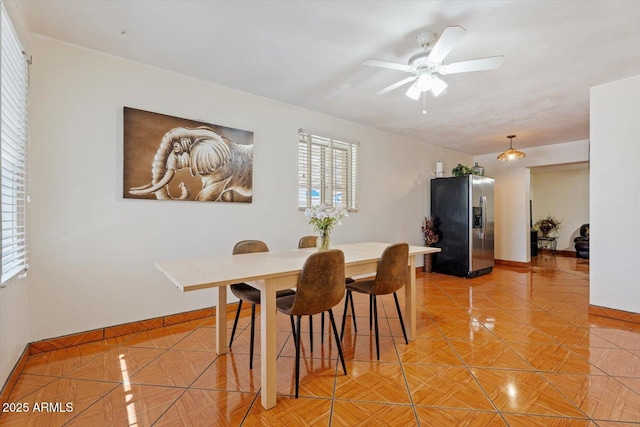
221,321
268,375
410,301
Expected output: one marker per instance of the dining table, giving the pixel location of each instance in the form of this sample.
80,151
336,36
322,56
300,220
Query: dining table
270,272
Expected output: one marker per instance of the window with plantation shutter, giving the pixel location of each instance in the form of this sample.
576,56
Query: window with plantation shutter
13,149
327,172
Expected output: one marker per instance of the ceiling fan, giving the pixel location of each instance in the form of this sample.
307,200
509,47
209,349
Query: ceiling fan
425,65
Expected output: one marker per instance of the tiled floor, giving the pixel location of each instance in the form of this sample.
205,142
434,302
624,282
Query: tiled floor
516,347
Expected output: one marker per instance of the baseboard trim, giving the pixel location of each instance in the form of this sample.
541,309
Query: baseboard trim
119,330
512,263
612,313
13,377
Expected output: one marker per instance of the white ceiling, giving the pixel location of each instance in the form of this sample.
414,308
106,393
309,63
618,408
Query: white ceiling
310,53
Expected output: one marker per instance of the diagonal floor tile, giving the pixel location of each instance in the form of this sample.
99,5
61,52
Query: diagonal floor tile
174,368
59,362
429,416
554,358
117,364
600,397
357,413
515,420
304,411
317,377
446,386
489,354
362,347
230,372
373,382
616,361
78,394
128,405
522,334
524,392
201,339
208,408
27,385
160,338
429,351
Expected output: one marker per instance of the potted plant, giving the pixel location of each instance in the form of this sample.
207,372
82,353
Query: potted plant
431,237
546,226
462,170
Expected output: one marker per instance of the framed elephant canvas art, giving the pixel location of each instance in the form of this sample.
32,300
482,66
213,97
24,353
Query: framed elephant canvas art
170,158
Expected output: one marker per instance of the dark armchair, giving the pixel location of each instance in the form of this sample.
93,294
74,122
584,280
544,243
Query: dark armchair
582,242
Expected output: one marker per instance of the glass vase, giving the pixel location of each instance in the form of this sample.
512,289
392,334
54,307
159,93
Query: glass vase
323,242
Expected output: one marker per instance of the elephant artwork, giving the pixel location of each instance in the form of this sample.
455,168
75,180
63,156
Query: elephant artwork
190,162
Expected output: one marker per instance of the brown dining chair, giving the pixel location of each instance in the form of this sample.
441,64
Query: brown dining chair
392,274
307,242
248,293
320,288
310,242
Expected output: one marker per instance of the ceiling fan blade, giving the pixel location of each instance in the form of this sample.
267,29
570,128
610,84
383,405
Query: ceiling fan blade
450,36
395,85
481,64
385,64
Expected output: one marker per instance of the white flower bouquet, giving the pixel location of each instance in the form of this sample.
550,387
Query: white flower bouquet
324,217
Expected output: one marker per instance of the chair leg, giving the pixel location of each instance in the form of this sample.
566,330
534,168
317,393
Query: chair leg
344,313
348,300
372,299
253,333
311,334
353,313
375,315
404,332
293,330
335,334
322,327
235,322
298,356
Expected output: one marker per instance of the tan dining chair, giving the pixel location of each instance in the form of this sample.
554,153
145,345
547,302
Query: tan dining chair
320,288
248,293
391,275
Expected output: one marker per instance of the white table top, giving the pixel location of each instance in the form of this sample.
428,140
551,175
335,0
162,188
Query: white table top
200,273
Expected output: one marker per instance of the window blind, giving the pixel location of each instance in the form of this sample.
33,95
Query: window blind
13,150
327,172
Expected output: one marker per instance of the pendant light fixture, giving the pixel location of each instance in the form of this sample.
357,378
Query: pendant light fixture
511,154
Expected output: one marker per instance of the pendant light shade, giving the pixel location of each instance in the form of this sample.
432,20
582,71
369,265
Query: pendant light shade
511,154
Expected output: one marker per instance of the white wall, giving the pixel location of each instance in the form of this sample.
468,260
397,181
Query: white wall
14,299
512,193
565,196
615,196
92,252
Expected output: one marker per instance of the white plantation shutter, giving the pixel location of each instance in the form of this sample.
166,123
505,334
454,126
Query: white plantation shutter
327,172
13,149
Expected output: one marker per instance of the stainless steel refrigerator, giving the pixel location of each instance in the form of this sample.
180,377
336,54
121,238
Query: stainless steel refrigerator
463,209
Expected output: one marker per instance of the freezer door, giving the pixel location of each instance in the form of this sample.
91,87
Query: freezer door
450,206
482,221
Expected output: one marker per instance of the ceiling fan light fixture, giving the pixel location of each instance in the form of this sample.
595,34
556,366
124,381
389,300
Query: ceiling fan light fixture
511,154
424,81
414,92
437,85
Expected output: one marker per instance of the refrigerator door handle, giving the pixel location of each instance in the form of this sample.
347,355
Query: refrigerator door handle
483,207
